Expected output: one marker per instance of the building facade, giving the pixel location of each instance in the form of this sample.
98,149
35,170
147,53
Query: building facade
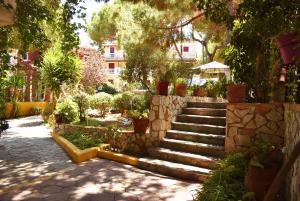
115,61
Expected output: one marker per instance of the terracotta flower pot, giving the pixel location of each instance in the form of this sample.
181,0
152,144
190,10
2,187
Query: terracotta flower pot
236,93
140,125
162,88
199,92
258,180
289,45
181,90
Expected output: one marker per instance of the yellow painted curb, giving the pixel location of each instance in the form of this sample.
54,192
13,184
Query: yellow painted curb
76,154
122,158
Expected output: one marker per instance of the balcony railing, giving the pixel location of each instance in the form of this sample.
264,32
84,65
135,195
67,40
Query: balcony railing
114,56
113,71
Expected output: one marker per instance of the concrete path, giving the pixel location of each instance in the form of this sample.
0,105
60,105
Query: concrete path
33,167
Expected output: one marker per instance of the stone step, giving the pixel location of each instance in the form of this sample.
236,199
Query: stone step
220,121
178,170
198,128
184,158
215,105
193,147
204,111
196,137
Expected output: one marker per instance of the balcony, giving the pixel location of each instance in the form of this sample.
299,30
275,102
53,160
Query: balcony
114,56
113,71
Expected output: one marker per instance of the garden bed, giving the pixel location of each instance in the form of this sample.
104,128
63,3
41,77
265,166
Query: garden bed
79,155
84,141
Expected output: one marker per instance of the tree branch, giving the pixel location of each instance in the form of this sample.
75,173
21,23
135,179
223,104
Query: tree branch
185,23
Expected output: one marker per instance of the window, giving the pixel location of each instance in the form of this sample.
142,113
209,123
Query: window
112,50
111,67
185,49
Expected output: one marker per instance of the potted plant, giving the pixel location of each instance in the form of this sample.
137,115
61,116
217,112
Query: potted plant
140,120
265,160
140,113
198,91
236,92
289,45
163,83
181,87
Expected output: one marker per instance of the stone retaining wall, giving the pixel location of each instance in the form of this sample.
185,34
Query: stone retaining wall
292,136
245,120
163,111
128,141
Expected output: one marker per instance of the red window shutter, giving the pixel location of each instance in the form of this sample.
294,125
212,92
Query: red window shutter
185,49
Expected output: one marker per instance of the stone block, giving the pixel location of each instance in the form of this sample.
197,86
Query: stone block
156,100
241,113
232,131
251,124
232,118
156,125
273,115
260,120
266,130
243,140
245,131
247,118
262,109
152,115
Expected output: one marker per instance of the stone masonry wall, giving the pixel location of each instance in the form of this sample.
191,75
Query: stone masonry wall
292,136
163,111
245,120
129,141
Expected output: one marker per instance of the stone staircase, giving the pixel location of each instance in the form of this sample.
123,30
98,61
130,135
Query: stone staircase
193,145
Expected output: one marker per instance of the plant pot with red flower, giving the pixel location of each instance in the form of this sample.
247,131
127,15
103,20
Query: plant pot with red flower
265,160
140,121
163,83
236,93
181,87
198,91
162,87
289,45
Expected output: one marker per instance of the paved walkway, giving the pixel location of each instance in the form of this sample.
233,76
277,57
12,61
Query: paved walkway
33,167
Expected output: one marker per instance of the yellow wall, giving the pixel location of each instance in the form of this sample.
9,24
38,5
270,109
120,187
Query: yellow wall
24,108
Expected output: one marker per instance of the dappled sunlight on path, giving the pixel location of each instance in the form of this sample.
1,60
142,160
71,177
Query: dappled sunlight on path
33,167
105,180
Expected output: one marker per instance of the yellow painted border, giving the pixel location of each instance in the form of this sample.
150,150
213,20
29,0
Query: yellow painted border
76,154
122,158
79,156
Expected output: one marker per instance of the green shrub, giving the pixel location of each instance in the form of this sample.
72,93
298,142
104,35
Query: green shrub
226,182
83,141
107,89
181,81
82,100
35,110
211,89
102,102
89,122
122,101
140,106
68,110
216,88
